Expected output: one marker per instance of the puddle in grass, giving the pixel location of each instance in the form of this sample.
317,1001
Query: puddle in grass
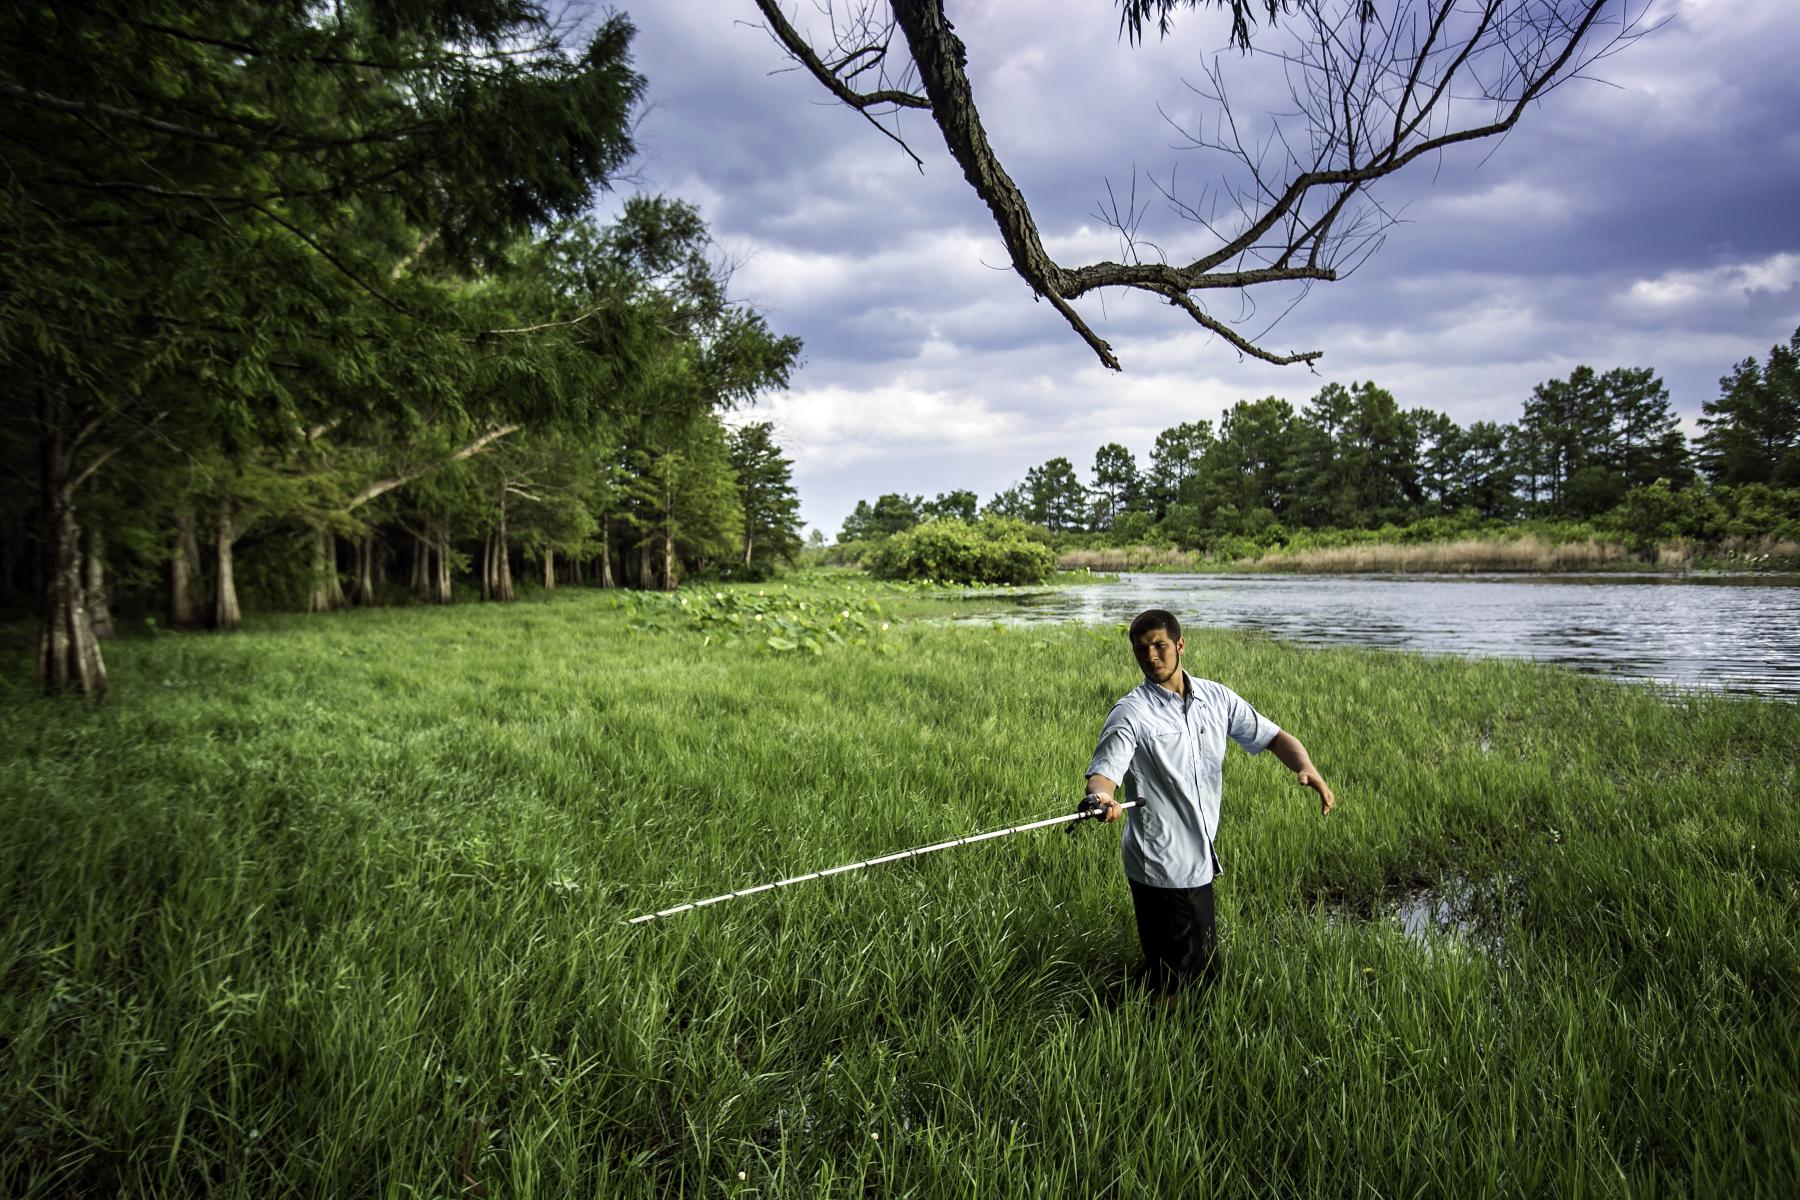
1458,911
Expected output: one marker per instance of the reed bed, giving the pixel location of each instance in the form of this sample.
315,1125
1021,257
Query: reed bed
333,908
1759,552
1129,558
1527,553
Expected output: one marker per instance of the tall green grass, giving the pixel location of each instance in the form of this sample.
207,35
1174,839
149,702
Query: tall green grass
332,908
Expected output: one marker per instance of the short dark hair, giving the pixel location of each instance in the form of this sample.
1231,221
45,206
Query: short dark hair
1154,618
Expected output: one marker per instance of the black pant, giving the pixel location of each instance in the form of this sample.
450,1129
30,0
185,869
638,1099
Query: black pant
1175,925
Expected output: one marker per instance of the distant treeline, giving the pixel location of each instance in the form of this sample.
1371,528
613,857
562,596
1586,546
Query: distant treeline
1604,449
303,305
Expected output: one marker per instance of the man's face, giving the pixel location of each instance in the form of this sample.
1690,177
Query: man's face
1159,656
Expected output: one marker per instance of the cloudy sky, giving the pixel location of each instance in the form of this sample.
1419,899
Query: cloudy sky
1643,219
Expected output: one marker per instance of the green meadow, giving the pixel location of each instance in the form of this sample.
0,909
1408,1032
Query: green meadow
334,907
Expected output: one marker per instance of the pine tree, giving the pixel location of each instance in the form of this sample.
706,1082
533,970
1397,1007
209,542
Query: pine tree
1174,460
1751,433
766,494
1058,500
1116,484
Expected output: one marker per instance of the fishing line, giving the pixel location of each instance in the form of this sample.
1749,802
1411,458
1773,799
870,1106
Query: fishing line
1085,813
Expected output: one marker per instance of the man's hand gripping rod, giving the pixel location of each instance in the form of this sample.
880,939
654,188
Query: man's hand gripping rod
1089,810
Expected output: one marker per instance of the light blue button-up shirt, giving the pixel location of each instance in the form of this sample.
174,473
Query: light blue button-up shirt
1173,747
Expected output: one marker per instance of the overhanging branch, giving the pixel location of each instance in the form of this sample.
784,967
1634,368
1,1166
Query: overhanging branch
383,486
1378,92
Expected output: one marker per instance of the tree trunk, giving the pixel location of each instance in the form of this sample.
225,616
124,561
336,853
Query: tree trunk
442,594
68,654
184,574
668,559
606,575
327,592
225,611
549,569
747,541
365,571
503,584
316,600
94,584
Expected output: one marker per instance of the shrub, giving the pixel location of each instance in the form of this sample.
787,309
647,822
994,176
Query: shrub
847,554
952,551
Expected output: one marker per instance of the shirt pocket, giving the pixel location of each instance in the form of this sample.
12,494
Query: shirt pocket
1167,752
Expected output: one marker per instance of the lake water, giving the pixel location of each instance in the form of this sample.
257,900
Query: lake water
1735,633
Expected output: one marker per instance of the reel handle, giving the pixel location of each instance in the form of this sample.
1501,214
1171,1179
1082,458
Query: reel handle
1090,809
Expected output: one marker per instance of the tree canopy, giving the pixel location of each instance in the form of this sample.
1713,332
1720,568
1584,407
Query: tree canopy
1593,446
327,270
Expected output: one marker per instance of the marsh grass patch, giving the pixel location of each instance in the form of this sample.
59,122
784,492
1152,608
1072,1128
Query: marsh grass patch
318,923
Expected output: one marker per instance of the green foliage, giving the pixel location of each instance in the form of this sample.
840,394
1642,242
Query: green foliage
770,505
1056,498
1116,485
892,512
1010,503
681,497
784,621
1174,460
1134,528
1587,450
1657,513
1757,510
1751,433
1586,440
958,505
994,550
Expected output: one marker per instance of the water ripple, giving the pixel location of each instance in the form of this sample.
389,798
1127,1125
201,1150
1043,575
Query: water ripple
1727,633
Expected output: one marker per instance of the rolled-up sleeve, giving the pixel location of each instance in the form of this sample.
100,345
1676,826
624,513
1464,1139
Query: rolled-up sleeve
1118,744
1245,726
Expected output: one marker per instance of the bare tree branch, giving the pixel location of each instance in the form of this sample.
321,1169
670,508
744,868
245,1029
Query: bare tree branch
835,77
851,62
543,325
1377,90
383,486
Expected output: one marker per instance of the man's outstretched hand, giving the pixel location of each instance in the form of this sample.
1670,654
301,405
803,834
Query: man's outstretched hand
1316,782
1286,747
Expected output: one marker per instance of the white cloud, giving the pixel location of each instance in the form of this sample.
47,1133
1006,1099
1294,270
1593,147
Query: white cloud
1510,202
791,277
1728,283
841,425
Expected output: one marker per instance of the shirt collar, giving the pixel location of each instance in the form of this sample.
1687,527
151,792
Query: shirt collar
1164,696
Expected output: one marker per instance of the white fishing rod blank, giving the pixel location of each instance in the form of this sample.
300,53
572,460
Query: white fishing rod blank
1083,814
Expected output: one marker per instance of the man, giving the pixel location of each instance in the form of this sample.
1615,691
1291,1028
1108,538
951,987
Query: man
1169,736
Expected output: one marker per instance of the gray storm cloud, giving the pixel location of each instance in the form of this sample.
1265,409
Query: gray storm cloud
1645,220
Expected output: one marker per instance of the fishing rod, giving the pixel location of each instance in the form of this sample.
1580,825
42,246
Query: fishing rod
1089,810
